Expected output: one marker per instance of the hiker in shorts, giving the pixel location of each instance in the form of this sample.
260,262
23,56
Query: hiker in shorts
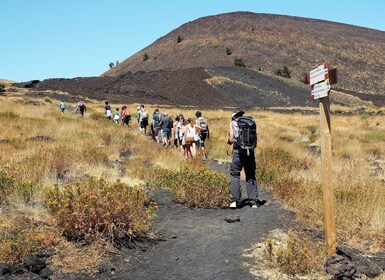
203,133
143,119
242,158
107,109
62,106
81,107
116,116
166,124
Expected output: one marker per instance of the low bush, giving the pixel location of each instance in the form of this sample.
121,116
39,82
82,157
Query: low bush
22,238
239,62
299,255
2,89
272,162
96,208
193,186
204,188
283,72
12,190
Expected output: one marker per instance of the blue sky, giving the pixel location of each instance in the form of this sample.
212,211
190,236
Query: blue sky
43,39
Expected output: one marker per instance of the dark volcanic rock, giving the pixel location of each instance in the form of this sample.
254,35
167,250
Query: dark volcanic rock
34,264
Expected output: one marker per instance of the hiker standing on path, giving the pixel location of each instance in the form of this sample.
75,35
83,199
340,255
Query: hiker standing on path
62,106
107,109
156,119
166,124
116,116
81,107
202,128
143,119
242,158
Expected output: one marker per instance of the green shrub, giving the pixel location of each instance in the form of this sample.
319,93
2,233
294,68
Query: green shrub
2,89
96,208
204,188
19,191
228,51
239,62
145,57
179,39
273,161
283,72
193,186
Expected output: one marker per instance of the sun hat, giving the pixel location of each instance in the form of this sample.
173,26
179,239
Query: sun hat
237,114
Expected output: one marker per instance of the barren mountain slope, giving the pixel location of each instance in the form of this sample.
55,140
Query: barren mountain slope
270,42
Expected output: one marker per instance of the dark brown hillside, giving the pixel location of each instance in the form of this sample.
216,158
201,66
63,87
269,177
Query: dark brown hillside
216,88
270,42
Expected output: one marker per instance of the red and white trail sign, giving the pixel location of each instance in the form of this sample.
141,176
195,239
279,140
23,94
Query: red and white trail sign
320,90
318,74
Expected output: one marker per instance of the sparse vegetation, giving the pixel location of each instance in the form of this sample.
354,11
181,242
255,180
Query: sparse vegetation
2,89
179,39
239,62
95,208
145,57
304,79
228,51
283,72
297,255
71,153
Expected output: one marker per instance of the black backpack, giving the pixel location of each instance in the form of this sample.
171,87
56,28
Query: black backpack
247,136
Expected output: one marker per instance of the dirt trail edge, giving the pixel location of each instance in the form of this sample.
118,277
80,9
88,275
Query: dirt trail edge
199,243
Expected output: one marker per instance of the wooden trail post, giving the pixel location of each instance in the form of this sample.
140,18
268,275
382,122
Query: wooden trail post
320,88
326,158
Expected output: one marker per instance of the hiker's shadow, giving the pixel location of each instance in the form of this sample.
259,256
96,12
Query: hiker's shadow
249,202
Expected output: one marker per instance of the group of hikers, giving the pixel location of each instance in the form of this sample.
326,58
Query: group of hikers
190,135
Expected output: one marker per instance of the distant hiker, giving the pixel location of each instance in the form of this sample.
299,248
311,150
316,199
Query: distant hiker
202,128
81,107
189,138
243,137
107,109
62,106
123,113
166,124
137,115
177,132
116,115
143,119
155,123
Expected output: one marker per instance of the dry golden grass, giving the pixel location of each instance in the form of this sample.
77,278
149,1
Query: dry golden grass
40,144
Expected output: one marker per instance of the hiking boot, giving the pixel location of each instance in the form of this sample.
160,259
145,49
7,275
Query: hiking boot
254,204
233,205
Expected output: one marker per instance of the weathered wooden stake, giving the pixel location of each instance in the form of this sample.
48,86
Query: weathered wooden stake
326,156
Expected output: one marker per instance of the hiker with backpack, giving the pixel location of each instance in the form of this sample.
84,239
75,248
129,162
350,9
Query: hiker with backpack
155,122
81,107
62,106
202,132
243,137
166,124
143,119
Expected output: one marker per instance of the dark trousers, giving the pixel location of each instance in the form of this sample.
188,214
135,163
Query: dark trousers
246,160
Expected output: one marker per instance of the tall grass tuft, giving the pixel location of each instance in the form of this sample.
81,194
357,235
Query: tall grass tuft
96,208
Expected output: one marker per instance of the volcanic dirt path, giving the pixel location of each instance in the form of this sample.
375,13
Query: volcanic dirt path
199,243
